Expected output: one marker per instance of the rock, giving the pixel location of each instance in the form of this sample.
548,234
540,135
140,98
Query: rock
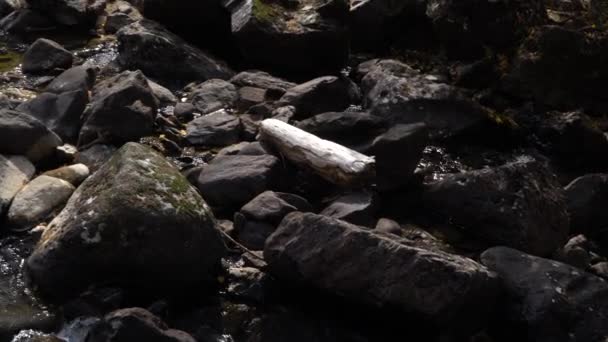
213,95
163,95
8,6
61,113
324,94
345,128
232,181
259,79
70,12
272,36
215,129
389,226
36,201
73,174
135,323
398,93
120,14
350,261
20,311
587,196
136,221
549,300
15,172
397,153
24,135
25,20
259,218
519,204
77,78
95,156
147,46
35,336
184,112
46,56
122,109
600,269
576,252
357,208
250,96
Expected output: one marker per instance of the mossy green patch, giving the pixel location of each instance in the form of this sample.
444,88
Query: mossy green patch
265,12
9,60
502,119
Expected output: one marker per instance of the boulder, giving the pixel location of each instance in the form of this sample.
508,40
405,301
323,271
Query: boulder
215,129
323,94
549,300
120,14
22,134
73,174
147,46
61,113
77,78
25,20
8,6
519,204
36,201
263,80
232,181
357,208
353,262
577,252
15,172
122,108
351,129
587,196
70,12
137,222
213,95
135,324
163,95
276,37
46,56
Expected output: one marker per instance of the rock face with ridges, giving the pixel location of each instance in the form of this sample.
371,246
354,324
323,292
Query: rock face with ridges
136,221
348,260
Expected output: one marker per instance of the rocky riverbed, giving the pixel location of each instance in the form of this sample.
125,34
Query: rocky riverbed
142,199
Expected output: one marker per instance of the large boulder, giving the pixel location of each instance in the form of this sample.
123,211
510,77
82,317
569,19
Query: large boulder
147,46
279,38
549,300
46,56
519,204
24,135
122,108
70,12
136,221
351,261
15,172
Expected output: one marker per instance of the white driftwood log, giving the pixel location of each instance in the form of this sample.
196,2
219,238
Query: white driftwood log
335,163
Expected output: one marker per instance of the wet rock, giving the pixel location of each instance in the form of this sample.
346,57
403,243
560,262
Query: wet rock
519,204
147,46
77,78
357,208
184,112
345,128
15,172
70,12
548,300
135,324
95,156
215,129
46,56
587,196
232,181
36,201
576,252
136,221
73,174
213,95
22,134
259,218
259,79
61,113
353,262
122,109
398,152
279,38
20,311
324,94
396,92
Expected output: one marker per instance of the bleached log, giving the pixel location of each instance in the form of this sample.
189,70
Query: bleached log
335,163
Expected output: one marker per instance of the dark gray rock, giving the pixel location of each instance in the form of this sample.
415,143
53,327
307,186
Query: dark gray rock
77,78
323,94
346,128
548,300
22,134
232,181
8,6
213,95
587,198
250,96
184,112
61,113
95,156
215,129
120,14
519,204
136,221
46,56
159,53
259,79
350,261
25,20
70,12
163,95
15,172
577,252
357,208
122,109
